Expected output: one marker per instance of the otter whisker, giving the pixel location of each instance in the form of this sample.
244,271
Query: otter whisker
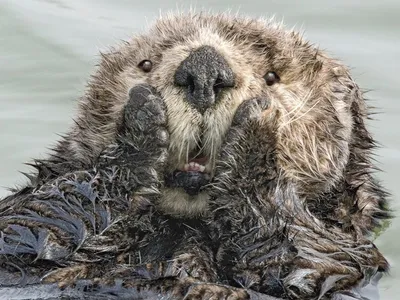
295,117
300,102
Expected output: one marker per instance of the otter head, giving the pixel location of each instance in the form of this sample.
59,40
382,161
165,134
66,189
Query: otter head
204,67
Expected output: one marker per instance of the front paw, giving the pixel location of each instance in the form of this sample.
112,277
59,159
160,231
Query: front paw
136,161
245,144
245,126
144,118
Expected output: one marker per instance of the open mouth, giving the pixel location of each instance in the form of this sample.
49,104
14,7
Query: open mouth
193,175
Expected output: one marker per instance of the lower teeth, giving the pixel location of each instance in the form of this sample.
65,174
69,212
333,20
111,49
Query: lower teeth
194,167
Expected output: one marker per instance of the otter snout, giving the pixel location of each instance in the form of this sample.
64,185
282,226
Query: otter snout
204,74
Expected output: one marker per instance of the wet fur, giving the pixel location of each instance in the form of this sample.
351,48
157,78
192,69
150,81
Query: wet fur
311,178
105,216
322,140
269,239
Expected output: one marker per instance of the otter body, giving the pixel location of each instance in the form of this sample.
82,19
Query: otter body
215,156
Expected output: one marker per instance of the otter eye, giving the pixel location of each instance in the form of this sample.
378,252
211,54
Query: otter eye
145,65
271,78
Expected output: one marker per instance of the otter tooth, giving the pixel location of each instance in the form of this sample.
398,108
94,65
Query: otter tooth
193,166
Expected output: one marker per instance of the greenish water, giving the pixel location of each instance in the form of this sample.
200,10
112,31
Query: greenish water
48,48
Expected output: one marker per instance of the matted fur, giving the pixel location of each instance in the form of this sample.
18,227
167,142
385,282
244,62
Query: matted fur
320,111
315,122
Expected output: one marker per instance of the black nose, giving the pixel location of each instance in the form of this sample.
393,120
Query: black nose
204,73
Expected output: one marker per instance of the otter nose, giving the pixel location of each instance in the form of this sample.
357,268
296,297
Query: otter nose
204,74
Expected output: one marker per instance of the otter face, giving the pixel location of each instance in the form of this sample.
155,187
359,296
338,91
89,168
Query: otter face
204,67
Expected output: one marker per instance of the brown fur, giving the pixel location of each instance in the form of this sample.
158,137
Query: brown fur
320,111
315,117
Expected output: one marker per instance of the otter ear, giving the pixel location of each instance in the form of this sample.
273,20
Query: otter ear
365,203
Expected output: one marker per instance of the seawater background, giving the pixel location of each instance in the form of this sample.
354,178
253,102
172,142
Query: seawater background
48,48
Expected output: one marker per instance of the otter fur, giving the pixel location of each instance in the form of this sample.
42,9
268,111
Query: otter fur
237,140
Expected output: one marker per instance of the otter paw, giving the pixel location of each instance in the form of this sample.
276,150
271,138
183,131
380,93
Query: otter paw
249,113
241,139
144,120
208,291
142,140
145,109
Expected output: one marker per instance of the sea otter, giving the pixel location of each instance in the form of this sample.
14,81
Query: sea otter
225,147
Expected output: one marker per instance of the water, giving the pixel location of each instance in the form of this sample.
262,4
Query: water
48,48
